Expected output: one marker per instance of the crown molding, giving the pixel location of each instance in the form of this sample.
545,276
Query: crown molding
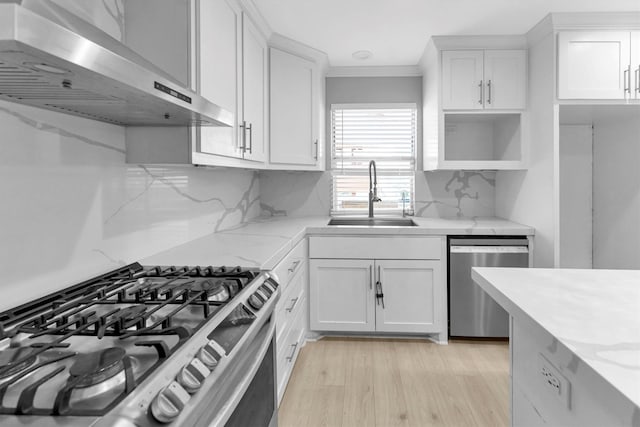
480,42
376,71
250,8
300,49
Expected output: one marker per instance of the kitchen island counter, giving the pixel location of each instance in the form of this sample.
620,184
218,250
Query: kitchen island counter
586,324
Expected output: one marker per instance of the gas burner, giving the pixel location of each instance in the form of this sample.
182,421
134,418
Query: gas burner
96,367
83,350
26,355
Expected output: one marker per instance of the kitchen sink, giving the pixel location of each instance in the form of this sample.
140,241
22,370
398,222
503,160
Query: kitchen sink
374,222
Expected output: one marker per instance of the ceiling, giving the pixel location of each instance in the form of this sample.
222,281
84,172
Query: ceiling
396,31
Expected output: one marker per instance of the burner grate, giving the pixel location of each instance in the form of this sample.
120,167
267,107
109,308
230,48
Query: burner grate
123,308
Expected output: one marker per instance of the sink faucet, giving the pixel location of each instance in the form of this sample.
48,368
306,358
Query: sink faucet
373,188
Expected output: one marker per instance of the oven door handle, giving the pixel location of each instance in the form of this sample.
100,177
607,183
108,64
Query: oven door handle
243,385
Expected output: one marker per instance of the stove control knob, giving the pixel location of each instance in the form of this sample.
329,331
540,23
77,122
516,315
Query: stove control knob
209,356
256,301
169,402
192,375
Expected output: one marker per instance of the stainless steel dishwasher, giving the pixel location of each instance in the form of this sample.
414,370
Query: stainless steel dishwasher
472,312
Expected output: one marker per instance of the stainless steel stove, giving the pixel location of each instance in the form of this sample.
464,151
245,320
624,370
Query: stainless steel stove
143,346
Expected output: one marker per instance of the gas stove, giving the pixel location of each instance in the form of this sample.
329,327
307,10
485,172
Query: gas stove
134,346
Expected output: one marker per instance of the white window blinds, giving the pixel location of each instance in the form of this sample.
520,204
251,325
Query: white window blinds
361,133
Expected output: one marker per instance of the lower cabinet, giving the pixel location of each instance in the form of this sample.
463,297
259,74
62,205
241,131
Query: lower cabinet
290,313
362,295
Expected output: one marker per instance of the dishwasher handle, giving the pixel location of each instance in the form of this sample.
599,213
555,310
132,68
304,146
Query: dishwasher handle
489,250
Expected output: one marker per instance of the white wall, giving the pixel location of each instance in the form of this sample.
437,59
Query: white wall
527,196
575,233
616,177
71,208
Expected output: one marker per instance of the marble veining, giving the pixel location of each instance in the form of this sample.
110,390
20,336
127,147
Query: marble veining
592,313
115,9
73,208
463,194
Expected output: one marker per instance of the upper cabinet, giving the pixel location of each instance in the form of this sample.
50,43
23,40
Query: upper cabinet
254,126
484,79
233,69
226,56
599,65
296,106
220,71
474,103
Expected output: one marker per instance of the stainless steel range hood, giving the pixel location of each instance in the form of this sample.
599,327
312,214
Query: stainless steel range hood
51,59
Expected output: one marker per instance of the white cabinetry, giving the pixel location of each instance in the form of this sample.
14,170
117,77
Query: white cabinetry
341,295
294,110
474,103
381,284
227,63
484,79
599,65
291,312
254,91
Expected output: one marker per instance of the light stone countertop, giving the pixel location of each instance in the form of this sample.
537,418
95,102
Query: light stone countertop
595,314
263,242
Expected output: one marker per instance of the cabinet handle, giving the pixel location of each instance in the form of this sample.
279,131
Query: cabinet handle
250,138
370,277
294,302
243,145
480,86
293,352
316,155
627,80
293,266
637,78
489,90
379,293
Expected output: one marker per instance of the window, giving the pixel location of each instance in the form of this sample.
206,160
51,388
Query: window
364,132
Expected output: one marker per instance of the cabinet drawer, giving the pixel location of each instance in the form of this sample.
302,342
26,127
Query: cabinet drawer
287,352
289,305
375,247
291,264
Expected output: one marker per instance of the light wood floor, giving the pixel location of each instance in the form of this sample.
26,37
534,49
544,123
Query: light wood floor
388,382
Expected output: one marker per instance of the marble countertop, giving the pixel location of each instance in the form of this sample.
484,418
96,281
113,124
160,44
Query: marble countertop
263,242
593,313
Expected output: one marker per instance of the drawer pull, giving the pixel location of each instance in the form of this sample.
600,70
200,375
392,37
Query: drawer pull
294,302
293,266
293,352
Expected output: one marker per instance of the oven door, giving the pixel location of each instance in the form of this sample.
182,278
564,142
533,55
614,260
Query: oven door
250,388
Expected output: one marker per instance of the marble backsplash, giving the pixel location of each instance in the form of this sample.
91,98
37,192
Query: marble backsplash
72,208
439,194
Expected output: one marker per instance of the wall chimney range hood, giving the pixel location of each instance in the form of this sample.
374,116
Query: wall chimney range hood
49,58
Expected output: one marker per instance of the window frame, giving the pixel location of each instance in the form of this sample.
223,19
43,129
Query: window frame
342,171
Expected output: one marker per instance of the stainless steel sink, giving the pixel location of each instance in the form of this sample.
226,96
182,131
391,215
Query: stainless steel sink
374,222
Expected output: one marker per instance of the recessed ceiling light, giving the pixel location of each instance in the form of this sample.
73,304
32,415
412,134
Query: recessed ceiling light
362,54
38,66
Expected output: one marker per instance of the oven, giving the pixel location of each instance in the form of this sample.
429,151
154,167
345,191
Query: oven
144,346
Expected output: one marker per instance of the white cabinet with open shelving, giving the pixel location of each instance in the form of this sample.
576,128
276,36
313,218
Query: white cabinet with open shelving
474,103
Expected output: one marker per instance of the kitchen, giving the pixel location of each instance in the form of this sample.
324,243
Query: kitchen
84,197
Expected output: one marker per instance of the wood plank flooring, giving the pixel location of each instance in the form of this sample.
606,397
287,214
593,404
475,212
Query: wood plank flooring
351,382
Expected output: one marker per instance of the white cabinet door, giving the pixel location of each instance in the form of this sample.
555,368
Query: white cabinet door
341,295
505,79
593,64
293,112
635,64
411,295
254,90
462,79
220,70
